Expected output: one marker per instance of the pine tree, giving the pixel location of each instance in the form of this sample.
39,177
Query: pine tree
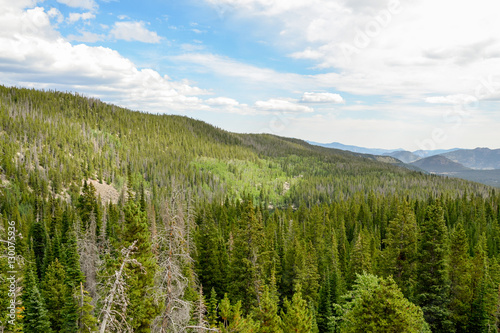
233,320
460,278
71,260
55,291
433,285
377,305
267,312
297,316
360,257
212,315
140,280
400,254
245,259
35,314
479,318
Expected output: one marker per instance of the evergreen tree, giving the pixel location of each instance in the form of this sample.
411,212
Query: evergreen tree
460,278
267,312
433,285
212,315
55,291
140,279
232,319
36,318
297,316
377,305
360,261
400,254
245,259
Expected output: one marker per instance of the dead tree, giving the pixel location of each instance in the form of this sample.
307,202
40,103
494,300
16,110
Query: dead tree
171,242
115,304
89,257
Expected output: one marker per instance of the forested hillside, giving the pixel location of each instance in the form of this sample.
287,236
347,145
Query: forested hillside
206,230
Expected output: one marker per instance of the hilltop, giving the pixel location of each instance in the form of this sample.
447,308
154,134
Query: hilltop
63,138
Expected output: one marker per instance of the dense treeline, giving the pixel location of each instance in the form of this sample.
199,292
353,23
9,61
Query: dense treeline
212,230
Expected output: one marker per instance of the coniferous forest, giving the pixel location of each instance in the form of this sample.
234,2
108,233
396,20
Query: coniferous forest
113,220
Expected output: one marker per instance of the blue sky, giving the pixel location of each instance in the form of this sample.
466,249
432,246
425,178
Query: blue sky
373,73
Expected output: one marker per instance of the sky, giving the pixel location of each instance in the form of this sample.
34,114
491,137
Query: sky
420,74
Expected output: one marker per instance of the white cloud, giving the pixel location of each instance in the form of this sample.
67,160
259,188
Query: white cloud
281,105
85,4
452,99
55,13
74,17
86,37
33,54
222,101
192,47
310,97
134,31
224,66
382,47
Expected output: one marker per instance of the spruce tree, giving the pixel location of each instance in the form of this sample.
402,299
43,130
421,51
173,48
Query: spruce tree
140,279
377,305
267,312
400,253
360,261
460,278
212,315
55,291
433,284
36,319
297,316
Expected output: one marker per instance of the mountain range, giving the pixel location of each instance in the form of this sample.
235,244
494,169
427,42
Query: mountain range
480,164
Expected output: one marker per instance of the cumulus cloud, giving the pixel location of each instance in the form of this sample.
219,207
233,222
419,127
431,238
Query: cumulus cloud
86,37
281,105
222,101
85,4
382,47
452,99
74,17
309,97
54,13
33,54
134,31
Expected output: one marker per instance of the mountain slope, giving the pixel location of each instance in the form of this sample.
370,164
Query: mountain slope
355,149
60,139
439,164
479,158
404,156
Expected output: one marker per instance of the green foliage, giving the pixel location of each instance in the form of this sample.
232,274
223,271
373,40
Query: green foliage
433,284
260,210
55,292
36,317
232,319
266,314
460,278
400,254
139,277
297,316
377,305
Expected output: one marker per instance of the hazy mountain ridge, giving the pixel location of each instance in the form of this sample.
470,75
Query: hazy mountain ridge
479,158
479,165
439,164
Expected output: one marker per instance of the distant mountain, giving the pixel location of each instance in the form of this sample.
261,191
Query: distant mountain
428,153
354,149
404,156
439,164
380,151
479,158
